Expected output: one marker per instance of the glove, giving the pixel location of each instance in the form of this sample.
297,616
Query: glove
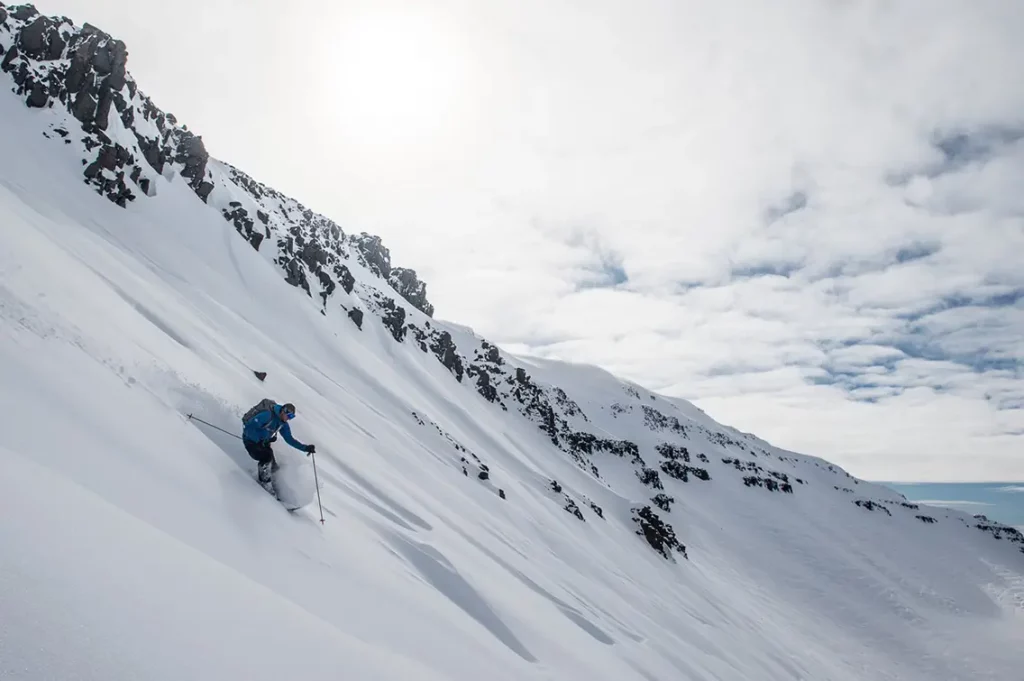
273,439
310,449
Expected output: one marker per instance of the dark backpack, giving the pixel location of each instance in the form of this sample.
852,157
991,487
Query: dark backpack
266,404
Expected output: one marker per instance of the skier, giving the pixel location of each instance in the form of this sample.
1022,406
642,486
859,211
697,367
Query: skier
260,428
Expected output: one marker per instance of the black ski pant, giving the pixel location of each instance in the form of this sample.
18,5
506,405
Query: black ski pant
260,451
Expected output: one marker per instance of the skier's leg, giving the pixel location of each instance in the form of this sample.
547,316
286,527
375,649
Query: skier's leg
255,450
265,464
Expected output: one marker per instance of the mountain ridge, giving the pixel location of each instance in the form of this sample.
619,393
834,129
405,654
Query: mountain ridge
130,146
512,517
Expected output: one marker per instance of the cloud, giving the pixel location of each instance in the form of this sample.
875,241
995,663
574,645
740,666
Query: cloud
961,148
808,219
602,267
791,204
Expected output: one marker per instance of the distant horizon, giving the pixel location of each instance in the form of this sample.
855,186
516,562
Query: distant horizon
1000,500
945,482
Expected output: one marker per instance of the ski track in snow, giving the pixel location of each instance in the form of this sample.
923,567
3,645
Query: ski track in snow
135,544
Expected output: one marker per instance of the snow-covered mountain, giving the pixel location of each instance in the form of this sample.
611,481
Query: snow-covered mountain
487,516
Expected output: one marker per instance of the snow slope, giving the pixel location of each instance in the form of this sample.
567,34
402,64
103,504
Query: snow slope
135,543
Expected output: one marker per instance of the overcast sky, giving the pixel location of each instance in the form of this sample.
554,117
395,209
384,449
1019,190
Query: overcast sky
805,216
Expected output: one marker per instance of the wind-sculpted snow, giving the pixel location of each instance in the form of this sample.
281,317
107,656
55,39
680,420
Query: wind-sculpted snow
487,516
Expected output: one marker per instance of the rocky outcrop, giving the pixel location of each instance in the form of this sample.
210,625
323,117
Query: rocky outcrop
751,466
774,486
373,253
356,315
446,352
673,452
566,404
869,505
411,288
663,501
239,217
83,71
571,507
682,472
999,531
127,143
659,534
649,477
655,420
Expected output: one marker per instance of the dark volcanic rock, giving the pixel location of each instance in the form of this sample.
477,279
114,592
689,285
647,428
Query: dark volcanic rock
106,100
40,39
375,254
673,452
1011,534
24,12
203,190
38,97
679,471
193,156
239,217
356,315
571,507
659,534
663,501
8,59
491,354
484,386
650,477
448,354
345,278
872,506
655,420
394,319
411,288
295,275
773,485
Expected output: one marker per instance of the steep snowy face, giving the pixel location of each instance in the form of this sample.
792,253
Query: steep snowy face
488,516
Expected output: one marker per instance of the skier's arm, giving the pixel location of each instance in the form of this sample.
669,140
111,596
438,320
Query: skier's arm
286,433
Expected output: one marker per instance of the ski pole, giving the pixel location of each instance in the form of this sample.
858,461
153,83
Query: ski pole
196,418
316,481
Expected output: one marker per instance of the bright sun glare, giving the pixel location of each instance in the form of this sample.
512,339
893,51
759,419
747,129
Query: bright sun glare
397,77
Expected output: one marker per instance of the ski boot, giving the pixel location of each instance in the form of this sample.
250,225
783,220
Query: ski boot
265,476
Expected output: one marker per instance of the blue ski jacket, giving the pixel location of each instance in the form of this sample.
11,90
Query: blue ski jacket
263,427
